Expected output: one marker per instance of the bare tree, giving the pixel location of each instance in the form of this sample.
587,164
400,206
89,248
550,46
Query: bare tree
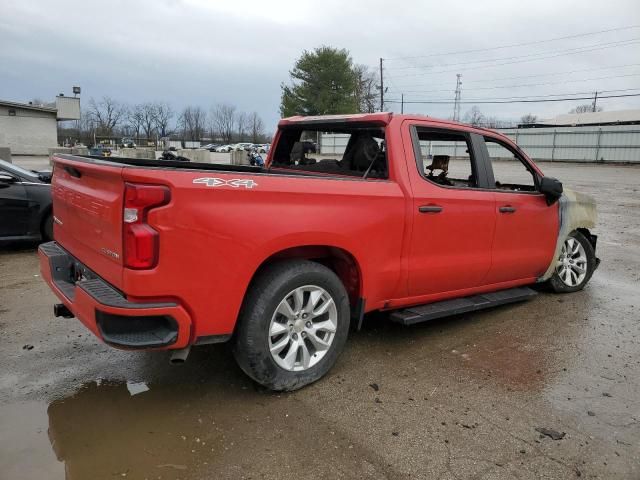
587,107
366,94
163,115
224,116
242,124
492,122
107,114
474,117
256,127
193,120
148,111
134,119
528,118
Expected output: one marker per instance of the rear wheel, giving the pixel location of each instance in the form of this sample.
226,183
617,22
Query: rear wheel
575,264
47,228
293,325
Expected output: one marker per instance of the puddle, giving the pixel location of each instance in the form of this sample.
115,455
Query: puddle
24,436
170,432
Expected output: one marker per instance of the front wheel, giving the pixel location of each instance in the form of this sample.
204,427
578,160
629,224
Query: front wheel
575,264
293,325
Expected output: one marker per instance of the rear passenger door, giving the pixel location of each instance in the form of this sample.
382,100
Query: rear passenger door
453,212
526,227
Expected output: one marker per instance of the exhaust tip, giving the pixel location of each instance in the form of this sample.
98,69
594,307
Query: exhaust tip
178,357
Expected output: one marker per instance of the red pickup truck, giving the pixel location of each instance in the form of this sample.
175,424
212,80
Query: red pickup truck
409,214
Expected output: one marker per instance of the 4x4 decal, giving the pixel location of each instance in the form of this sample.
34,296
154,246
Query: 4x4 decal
218,182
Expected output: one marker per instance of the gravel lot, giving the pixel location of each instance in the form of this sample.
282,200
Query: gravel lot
451,399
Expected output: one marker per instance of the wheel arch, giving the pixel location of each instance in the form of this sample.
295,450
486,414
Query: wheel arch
339,260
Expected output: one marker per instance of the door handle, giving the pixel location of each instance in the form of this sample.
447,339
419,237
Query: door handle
507,209
430,209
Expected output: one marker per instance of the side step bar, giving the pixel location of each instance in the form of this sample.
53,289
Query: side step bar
431,311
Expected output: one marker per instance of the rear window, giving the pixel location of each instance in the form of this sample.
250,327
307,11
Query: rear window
350,151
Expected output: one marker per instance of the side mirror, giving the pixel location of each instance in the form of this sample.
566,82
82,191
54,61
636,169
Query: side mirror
551,188
6,180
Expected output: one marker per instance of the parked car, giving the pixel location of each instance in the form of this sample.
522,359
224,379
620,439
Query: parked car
225,148
127,143
264,148
100,151
415,218
25,203
243,146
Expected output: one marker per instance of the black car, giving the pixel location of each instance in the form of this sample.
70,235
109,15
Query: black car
25,204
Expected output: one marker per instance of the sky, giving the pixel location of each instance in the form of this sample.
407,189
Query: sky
199,52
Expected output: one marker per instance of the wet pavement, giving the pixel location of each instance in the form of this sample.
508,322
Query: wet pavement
456,398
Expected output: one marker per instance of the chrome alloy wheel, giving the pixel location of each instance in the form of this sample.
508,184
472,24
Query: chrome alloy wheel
571,265
302,328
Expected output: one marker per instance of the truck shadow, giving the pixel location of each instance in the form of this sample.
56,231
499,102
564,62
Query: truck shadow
18,246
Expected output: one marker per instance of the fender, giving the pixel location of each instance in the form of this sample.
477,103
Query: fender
307,239
575,210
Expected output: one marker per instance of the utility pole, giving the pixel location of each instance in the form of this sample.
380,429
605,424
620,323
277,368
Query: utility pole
402,103
595,100
381,88
456,104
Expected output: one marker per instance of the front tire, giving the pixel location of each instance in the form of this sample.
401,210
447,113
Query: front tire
293,325
575,264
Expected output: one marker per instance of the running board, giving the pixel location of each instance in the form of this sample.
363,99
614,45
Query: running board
431,311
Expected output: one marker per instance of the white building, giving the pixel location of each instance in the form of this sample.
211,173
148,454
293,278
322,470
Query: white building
29,129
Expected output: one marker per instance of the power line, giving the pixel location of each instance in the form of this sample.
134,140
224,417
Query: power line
470,100
555,74
517,44
523,58
526,84
449,102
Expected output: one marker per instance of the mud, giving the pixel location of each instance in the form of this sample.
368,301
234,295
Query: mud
457,398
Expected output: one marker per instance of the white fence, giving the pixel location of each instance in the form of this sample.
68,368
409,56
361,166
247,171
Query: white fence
616,143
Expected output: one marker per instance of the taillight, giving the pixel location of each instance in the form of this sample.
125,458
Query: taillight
140,241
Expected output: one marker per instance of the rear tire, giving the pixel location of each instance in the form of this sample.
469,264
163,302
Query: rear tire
47,228
575,264
293,325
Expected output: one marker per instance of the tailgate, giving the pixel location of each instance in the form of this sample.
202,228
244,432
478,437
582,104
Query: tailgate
87,208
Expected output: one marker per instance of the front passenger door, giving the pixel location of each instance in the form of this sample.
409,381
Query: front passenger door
526,227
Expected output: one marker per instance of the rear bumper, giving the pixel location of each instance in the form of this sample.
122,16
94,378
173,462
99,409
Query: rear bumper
106,311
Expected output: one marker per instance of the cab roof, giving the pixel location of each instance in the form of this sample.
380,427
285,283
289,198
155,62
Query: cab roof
380,118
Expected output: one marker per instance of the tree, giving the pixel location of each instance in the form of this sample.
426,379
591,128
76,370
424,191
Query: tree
192,121
242,123
134,119
256,127
106,114
528,118
148,111
474,117
322,82
366,92
163,115
223,120
587,107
